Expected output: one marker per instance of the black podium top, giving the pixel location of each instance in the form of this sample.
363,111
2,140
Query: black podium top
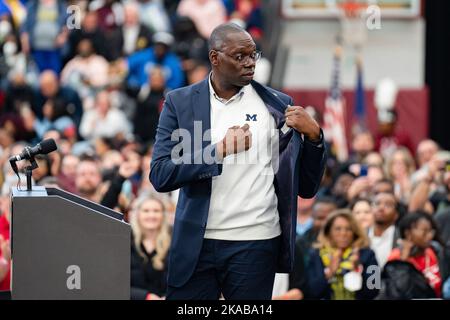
39,191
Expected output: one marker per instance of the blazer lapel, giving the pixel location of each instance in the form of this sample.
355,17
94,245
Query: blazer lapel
201,106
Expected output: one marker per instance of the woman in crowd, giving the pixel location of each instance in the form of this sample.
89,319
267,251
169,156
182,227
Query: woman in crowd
338,267
149,248
399,168
362,212
417,230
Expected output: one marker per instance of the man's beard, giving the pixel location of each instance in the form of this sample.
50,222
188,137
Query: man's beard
88,191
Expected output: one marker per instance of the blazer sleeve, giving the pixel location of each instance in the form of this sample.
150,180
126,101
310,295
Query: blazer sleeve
311,166
311,162
167,174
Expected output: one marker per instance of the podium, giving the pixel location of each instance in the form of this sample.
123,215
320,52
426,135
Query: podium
66,247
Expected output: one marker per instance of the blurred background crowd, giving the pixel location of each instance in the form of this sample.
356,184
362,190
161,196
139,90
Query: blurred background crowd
93,76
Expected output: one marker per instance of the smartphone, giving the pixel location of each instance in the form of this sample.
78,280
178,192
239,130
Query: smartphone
363,170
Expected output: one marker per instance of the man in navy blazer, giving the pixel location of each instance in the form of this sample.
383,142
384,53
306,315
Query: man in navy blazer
235,225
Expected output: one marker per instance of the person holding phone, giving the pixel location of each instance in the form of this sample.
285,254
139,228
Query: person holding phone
417,230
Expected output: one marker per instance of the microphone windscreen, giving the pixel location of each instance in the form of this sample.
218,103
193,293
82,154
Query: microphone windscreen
48,146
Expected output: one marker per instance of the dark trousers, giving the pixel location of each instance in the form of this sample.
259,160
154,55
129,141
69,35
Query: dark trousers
239,270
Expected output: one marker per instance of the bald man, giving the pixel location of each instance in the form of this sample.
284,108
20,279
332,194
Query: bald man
65,98
235,223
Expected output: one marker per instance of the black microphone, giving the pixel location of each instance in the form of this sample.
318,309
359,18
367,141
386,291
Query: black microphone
28,153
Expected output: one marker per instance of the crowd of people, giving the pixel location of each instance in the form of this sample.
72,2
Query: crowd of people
98,88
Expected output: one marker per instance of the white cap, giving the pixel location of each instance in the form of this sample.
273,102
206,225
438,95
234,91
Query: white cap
163,37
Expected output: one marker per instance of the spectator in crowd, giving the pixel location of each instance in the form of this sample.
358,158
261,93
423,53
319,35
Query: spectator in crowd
399,168
149,249
366,177
104,121
383,234
206,14
13,62
110,15
88,180
17,126
426,150
374,159
362,212
19,102
417,230
189,45
9,181
321,208
248,12
89,30
134,36
362,145
104,147
442,219
110,18
149,105
340,188
383,186
14,9
54,118
18,95
440,198
5,250
44,33
430,191
65,98
305,220
154,16
389,137
86,73
197,73
121,183
338,267
139,65
66,178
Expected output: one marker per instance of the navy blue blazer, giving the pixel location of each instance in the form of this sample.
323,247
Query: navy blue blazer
301,166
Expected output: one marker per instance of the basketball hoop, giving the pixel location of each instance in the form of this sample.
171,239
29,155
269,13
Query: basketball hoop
353,25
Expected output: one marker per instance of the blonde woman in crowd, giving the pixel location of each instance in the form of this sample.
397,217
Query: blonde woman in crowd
362,212
399,168
149,249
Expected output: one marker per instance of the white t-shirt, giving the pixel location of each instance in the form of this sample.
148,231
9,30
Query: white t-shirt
382,246
243,201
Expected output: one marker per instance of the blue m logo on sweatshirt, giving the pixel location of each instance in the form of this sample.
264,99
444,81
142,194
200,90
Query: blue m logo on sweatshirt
251,117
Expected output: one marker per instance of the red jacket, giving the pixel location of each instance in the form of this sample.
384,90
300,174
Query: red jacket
5,284
426,263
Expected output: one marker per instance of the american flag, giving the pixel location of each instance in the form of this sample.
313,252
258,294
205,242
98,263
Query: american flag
334,119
